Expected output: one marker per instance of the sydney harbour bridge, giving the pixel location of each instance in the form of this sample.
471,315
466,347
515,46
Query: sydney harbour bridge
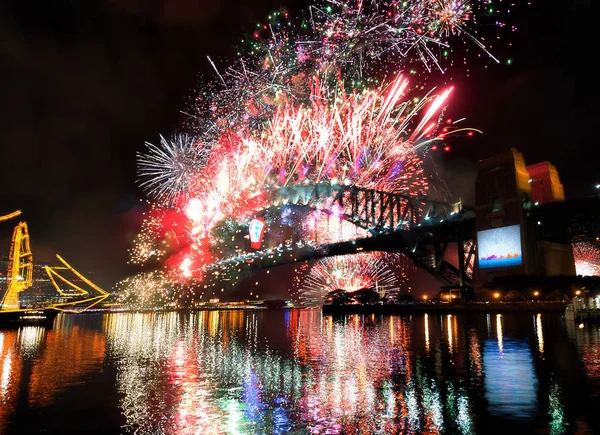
421,229
426,230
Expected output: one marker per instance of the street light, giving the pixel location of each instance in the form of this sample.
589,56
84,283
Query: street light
496,295
577,293
536,293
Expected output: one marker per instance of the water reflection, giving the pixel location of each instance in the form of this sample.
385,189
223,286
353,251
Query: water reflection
297,372
510,379
539,332
53,372
30,338
588,343
353,376
10,374
556,411
426,322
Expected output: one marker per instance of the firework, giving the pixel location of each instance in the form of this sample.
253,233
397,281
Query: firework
348,45
350,272
144,290
168,170
369,140
323,228
587,259
310,104
147,245
158,288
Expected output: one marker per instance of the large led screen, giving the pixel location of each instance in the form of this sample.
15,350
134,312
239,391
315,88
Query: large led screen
500,247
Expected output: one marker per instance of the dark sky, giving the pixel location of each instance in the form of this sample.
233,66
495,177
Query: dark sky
85,83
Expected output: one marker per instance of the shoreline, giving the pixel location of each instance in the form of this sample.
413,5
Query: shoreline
443,308
375,309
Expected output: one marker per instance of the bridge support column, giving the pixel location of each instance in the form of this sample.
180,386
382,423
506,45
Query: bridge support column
461,262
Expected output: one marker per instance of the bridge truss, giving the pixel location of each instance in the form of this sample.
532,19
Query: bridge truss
418,227
369,209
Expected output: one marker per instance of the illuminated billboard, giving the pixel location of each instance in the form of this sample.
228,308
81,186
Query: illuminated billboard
500,247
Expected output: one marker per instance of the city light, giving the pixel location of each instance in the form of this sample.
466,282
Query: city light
314,180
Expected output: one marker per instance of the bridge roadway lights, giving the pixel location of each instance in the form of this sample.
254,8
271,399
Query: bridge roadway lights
395,221
394,241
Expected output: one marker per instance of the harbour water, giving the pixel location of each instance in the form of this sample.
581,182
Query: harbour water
299,372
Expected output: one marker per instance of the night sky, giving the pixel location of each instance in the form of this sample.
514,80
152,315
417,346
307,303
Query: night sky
85,83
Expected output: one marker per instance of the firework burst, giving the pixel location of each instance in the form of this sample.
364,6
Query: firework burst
368,140
312,101
348,45
168,170
144,290
351,273
587,259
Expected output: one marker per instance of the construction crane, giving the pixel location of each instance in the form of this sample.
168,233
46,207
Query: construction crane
19,276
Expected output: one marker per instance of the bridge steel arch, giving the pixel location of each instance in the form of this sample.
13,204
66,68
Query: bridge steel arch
370,209
425,248
417,227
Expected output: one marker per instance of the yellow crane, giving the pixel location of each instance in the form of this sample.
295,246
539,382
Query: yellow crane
10,215
20,267
20,264
53,273
19,278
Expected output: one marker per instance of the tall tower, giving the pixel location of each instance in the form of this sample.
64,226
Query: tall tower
553,258
545,184
505,239
507,244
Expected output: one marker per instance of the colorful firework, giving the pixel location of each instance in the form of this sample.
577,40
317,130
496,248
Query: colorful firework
169,170
309,103
587,259
375,270
144,290
158,288
348,45
369,140
323,228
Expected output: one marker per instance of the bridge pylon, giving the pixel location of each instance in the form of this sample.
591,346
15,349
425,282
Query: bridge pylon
507,194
